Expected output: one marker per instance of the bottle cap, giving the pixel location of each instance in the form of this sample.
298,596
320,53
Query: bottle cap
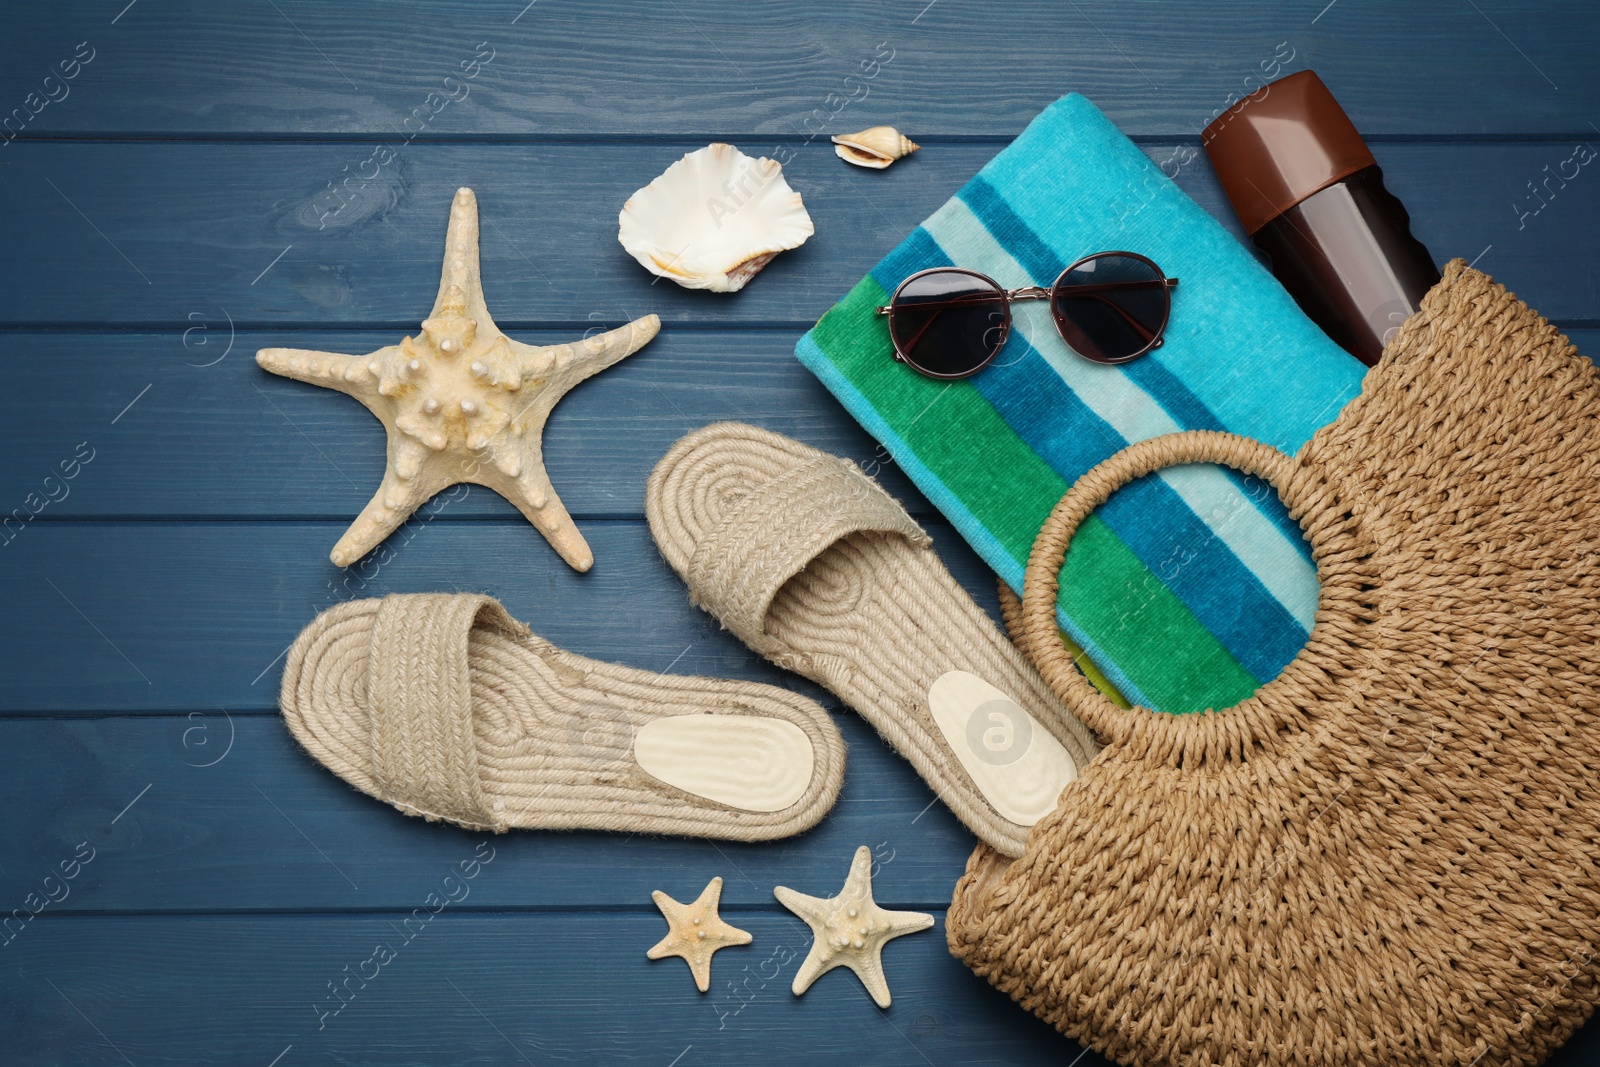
1283,142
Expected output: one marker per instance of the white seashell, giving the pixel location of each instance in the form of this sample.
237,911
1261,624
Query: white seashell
713,219
875,148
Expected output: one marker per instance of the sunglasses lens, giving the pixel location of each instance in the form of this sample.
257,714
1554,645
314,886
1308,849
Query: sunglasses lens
948,324
1111,307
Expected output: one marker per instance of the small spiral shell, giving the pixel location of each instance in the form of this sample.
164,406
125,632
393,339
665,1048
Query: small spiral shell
876,147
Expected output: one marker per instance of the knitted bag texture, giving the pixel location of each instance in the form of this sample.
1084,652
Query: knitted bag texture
1390,854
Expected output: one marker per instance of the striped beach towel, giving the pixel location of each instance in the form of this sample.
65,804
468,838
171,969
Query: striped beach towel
1192,586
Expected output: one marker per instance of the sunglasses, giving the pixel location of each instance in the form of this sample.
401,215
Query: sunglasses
950,322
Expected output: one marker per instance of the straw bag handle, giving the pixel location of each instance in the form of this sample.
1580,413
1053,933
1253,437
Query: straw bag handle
1041,638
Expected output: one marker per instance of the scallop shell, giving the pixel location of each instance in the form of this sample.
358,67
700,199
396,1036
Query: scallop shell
713,219
875,148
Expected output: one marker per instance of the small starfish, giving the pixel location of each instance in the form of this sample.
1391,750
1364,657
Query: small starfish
462,402
850,930
695,931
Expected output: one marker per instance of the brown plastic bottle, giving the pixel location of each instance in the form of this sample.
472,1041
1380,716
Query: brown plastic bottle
1312,198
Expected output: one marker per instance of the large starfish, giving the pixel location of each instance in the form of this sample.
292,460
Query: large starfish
850,930
462,402
695,931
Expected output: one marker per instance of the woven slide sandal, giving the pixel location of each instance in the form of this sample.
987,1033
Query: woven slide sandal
810,563
446,707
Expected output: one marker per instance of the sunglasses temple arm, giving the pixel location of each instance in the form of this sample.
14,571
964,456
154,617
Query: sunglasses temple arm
917,338
1096,292
1095,288
1044,294
959,301
1138,327
938,307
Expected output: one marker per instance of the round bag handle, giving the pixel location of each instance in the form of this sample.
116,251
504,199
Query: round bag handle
1041,638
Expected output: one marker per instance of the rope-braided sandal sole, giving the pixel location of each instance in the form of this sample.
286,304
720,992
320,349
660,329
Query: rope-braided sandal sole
445,707
811,564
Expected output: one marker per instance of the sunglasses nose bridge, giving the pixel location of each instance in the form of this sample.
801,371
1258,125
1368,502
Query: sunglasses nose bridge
1029,292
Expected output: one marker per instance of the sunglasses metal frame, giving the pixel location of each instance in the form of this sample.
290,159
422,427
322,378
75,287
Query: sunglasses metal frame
1038,292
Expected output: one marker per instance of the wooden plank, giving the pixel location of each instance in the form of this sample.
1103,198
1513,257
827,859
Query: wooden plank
695,66
475,989
180,235
182,616
480,990
224,812
183,448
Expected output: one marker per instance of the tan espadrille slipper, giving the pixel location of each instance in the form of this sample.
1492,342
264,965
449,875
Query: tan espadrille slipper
810,563
446,707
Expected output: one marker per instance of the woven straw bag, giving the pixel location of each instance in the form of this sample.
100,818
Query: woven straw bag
1391,853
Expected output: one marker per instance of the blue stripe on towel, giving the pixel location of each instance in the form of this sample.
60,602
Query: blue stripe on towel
976,534
1200,569
919,251
1239,355
1045,267
1290,379
1150,373
1225,594
1147,515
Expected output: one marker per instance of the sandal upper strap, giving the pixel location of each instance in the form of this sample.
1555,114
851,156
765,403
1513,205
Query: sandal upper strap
740,564
419,692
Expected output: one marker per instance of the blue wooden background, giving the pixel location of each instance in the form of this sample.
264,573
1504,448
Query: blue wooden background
167,209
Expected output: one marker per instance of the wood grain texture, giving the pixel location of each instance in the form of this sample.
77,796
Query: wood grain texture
182,616
312,454
249,231
582,69
480,990
174,199
238,818
486,990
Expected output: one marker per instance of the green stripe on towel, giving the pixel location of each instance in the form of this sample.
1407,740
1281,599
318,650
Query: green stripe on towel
1124,609
1136,621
